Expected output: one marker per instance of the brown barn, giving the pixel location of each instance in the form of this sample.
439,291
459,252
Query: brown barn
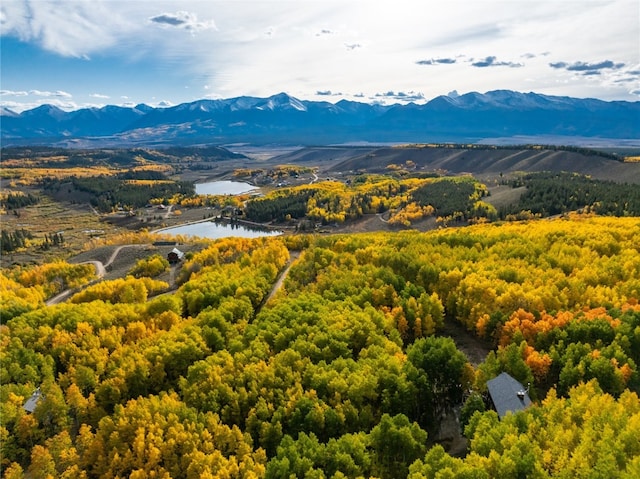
175,256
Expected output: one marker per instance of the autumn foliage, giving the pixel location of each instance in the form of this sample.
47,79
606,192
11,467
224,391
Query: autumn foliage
345,370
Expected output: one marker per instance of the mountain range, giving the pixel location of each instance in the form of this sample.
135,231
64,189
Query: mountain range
501,115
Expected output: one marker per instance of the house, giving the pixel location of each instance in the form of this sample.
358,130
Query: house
175,256
33,401
508,395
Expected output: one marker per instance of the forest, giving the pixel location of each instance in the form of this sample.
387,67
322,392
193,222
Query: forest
125,190
550,194
13,201
450,199
406,200
346,371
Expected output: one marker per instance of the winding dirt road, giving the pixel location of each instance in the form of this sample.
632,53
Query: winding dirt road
101,270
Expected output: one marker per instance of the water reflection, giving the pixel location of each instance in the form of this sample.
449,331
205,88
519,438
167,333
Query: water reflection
224,187
216,230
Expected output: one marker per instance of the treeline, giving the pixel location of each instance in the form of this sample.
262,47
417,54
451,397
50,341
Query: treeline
11,241
31,152
132,189
68,158
13,201
118,156
555,193
53,239
473,146
343,372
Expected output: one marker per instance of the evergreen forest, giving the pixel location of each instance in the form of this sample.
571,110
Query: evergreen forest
346,370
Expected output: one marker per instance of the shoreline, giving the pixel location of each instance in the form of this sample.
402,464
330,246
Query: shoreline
228,221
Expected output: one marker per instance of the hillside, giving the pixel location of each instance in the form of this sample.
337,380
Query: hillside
477,160
57,199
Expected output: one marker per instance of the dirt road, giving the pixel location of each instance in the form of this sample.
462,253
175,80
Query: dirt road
279,282
101,270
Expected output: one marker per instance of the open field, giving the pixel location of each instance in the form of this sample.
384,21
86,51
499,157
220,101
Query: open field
127,257
503,195
77,223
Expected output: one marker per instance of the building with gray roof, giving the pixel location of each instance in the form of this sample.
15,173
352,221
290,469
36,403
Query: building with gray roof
508,395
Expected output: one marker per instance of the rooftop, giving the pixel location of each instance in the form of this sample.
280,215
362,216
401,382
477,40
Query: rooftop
508,395
32,402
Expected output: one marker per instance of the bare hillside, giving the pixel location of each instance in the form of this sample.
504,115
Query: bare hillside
476,161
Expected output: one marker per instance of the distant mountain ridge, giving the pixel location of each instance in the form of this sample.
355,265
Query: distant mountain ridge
283,119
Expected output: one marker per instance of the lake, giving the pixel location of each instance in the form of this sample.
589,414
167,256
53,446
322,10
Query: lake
223,187
212,230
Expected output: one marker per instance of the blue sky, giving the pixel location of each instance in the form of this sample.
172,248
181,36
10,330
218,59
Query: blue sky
78,53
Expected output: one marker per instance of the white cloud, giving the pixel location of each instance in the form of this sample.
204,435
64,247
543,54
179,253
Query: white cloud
99,95
303,47
497,34
72,28
183,19
401,96
437,61
13,93
492,61
586,67
49,94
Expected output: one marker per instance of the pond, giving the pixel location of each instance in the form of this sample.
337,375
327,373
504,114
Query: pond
224,187
213,230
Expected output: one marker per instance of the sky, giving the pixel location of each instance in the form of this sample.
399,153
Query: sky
90,53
